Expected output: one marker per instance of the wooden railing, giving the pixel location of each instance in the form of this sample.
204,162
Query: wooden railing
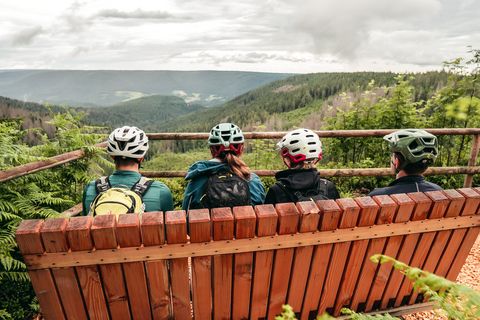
469,170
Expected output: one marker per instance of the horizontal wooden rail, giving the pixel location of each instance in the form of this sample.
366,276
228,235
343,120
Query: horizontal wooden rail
173,251
365,172
321,133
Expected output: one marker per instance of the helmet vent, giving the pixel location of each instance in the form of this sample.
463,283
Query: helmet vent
237,139
214,140
309,135
413,145
226,137
294,141
295,150
312,143
295,133
312,151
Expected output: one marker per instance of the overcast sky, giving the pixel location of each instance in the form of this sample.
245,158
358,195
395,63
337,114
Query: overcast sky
254,35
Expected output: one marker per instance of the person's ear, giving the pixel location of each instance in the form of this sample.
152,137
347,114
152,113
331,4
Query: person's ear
287,162
141,160
395,162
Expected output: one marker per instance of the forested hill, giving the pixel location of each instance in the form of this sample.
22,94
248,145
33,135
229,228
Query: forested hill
146,112
298,96
108,87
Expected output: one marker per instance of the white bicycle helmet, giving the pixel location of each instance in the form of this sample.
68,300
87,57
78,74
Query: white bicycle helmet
226,137
300,145
128,142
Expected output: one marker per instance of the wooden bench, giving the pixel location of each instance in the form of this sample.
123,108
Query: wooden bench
246,262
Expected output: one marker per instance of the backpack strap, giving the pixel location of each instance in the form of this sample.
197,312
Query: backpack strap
102,184
142,186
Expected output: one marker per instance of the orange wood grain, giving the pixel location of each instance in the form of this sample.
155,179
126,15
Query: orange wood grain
176,227
309,219
223,226
288,218
128,235
329,213
266,226
29,242
153,234
200,231
348,219
405,207
245,222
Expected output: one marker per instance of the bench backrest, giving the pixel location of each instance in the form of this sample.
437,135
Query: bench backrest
247,261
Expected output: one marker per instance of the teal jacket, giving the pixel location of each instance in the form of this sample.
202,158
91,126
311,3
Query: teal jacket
157,198
198,175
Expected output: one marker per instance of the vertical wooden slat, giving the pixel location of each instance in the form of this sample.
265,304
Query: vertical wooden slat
245,221
29,242
153,234
386,214
404,212
223,226
104,237
266,226
200,231
470,206
53,234
435,256
176,226
128,235
309,219
367,217
472,161
287,224
466,246
422,207
349,217
79,238
438,209
330,214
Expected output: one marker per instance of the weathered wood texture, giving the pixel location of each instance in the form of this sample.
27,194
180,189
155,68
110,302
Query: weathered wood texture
313,275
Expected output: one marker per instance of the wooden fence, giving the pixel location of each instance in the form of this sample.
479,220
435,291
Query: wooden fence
246,262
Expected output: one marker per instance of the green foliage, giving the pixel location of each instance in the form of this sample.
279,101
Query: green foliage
455,301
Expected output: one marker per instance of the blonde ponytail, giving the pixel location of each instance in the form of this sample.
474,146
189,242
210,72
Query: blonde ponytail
237,166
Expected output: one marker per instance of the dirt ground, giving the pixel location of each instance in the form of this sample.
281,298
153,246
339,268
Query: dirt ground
469,276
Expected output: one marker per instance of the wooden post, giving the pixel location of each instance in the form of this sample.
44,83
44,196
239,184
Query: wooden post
473,159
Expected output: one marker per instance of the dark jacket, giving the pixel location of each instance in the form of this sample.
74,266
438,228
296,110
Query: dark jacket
405,185
300,180
198,174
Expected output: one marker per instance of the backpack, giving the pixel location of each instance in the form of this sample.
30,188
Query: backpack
308,195
225,189
120,199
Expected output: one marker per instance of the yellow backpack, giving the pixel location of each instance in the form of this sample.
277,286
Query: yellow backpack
119,199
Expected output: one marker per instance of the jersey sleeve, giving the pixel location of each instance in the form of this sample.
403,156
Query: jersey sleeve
257,191
166,198
89,194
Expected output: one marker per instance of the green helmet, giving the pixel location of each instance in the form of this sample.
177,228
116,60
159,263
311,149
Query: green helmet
414,145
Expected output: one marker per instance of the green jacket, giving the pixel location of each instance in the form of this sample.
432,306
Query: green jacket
157,198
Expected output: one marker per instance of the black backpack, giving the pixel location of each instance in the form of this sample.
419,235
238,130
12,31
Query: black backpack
319,193
225,189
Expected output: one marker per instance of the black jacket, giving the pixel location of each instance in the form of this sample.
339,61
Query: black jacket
298,180
405,185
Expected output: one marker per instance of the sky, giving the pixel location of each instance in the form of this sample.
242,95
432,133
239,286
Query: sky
249,35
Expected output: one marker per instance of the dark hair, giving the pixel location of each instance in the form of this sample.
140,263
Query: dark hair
124,161
412,168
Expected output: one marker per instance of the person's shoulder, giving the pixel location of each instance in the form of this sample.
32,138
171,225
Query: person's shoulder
327,182
434,186
380,191
159,186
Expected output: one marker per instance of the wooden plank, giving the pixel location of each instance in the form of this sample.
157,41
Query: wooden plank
53,235
329,214
200,230
309,219
349,217
153,234
29,242
367,217
405,207
223,226
421,211
245,222
79,239
176,227
386,214
128,235
288,218
472,201
438,210
464,250
104,237
174,251
266,226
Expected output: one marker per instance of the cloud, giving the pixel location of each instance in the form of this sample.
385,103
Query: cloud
26,36
139,14
253,57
